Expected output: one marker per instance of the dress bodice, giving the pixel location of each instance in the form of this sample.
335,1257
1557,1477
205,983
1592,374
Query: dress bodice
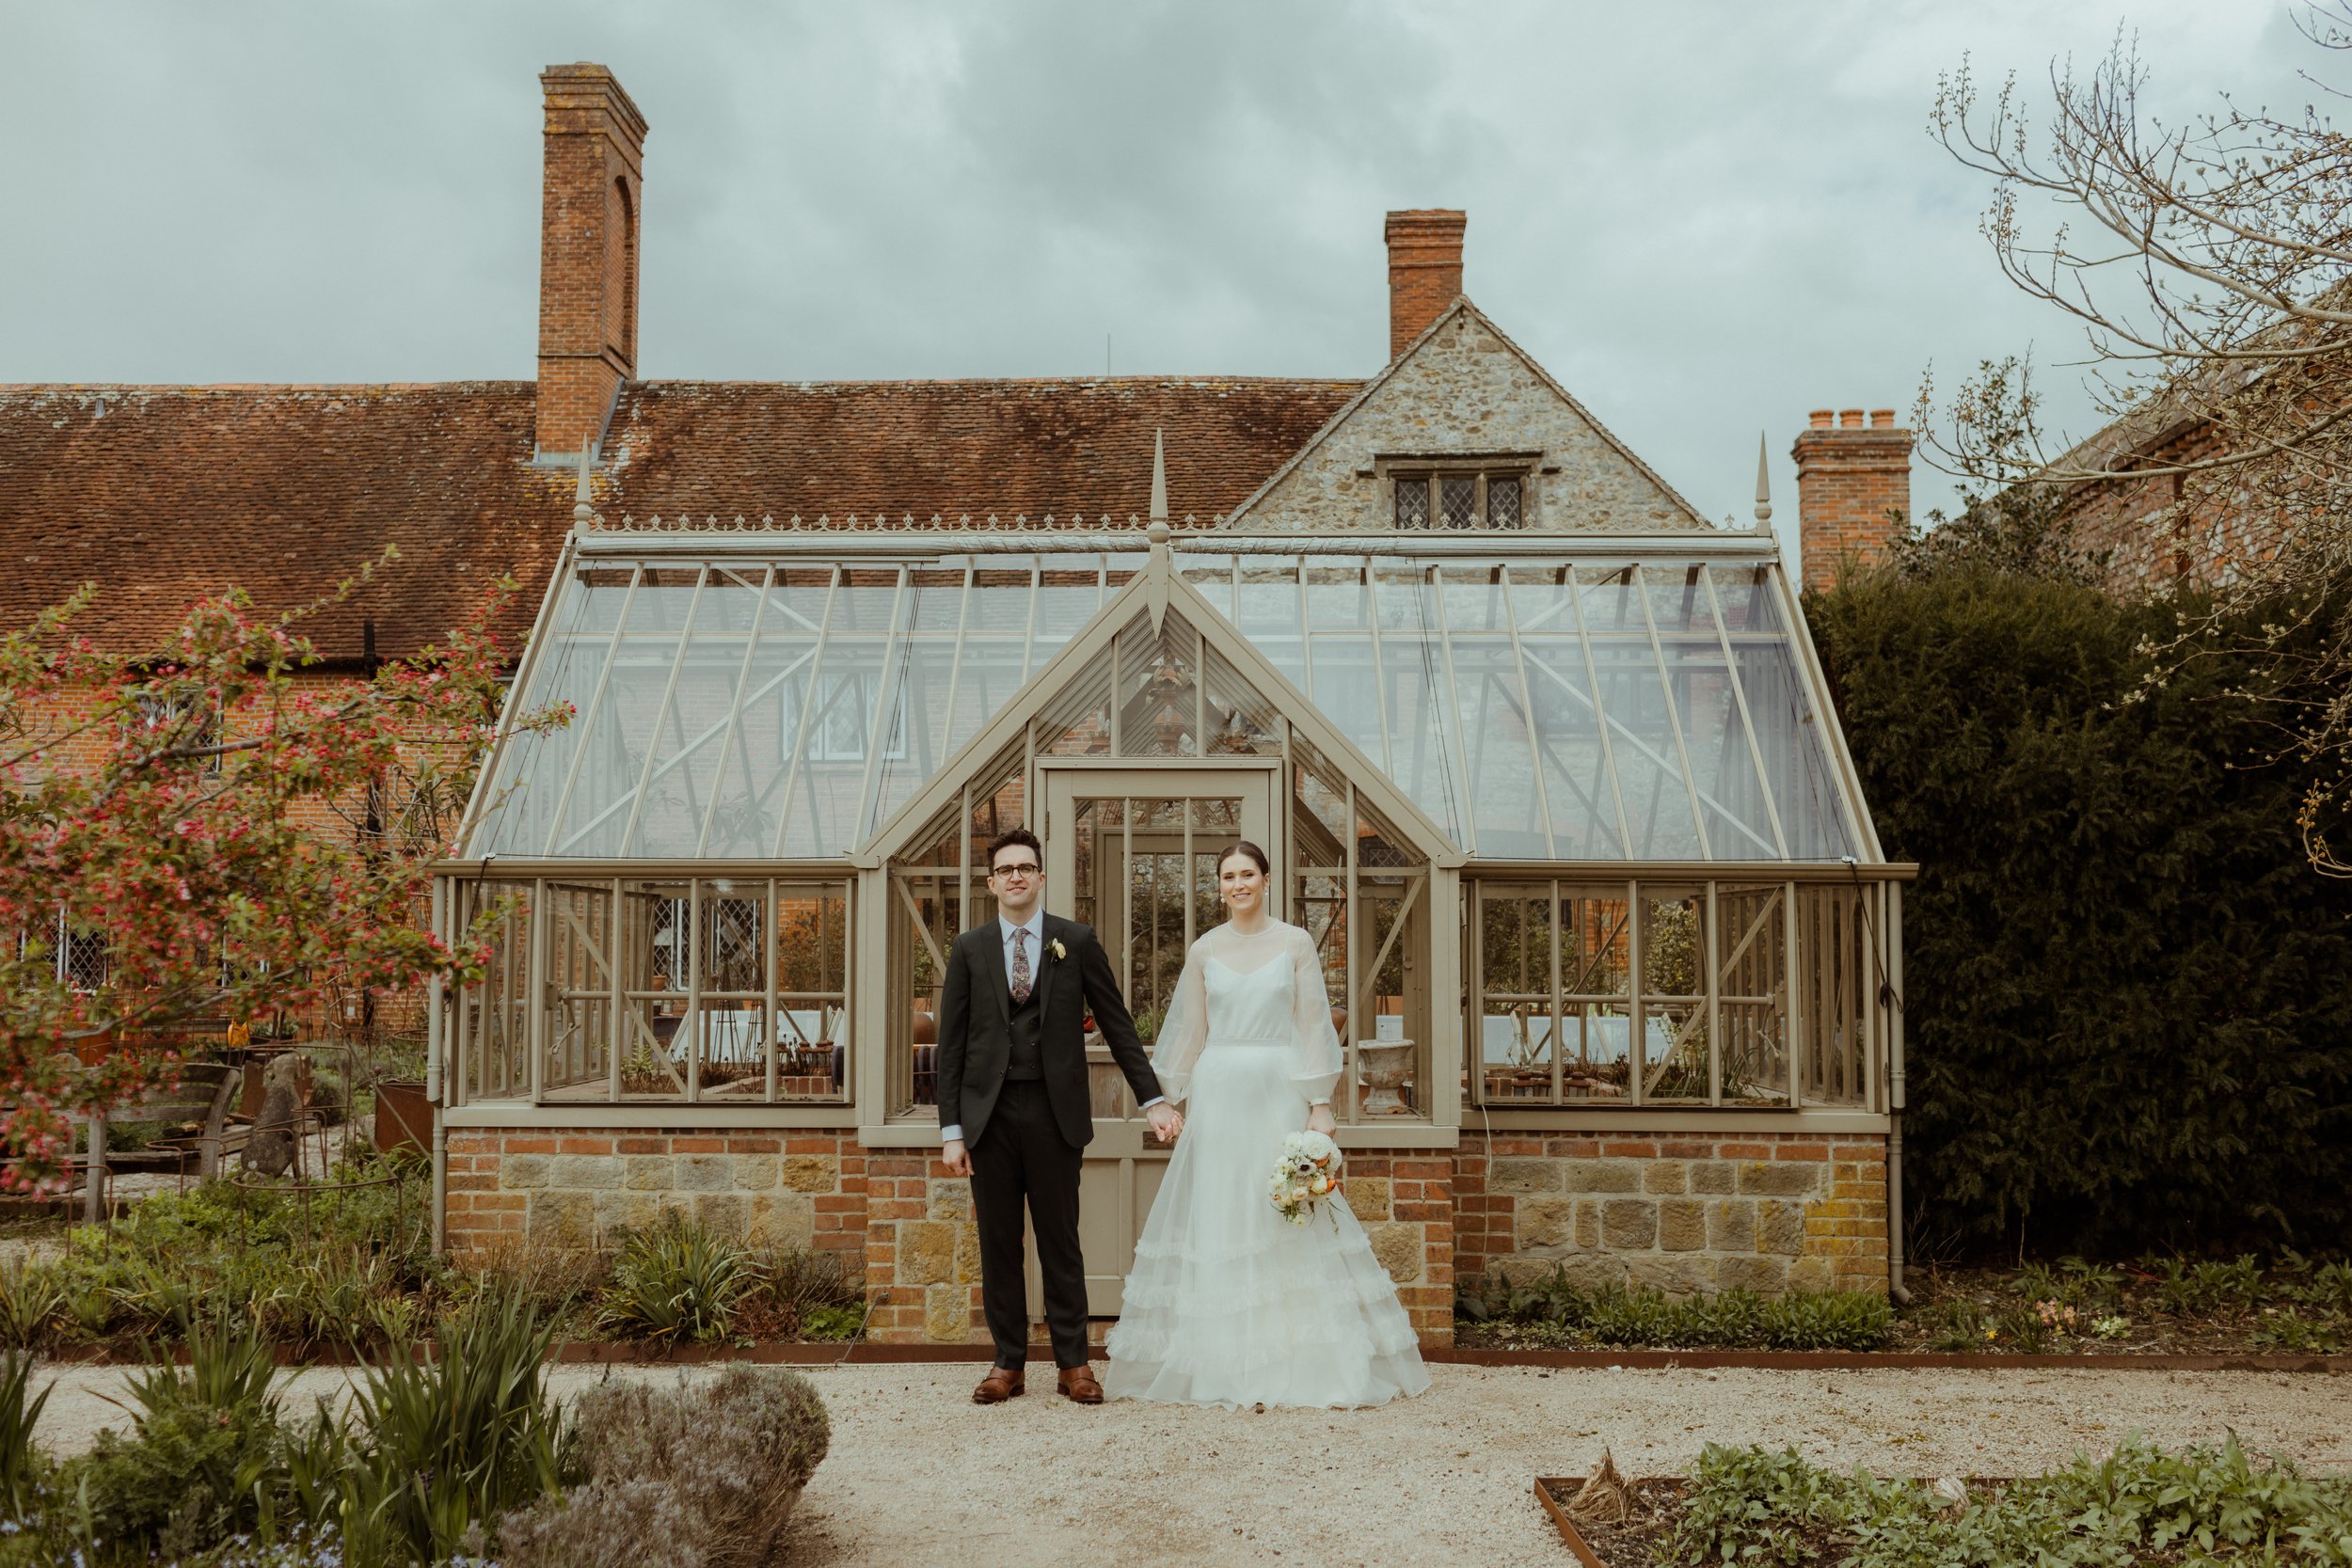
1264,988
1251,1006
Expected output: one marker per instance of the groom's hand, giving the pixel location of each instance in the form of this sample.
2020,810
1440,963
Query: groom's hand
957,1159
1166,1121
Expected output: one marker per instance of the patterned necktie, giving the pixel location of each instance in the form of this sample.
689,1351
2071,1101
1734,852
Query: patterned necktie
1019,965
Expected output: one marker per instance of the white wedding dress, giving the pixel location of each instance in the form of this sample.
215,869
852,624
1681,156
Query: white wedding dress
1229,1303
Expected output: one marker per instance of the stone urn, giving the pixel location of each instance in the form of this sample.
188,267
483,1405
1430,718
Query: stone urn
1383,1066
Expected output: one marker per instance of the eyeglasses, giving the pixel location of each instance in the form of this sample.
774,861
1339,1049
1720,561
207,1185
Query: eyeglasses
1027,868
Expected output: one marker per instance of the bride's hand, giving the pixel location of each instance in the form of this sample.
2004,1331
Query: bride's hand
1320,1119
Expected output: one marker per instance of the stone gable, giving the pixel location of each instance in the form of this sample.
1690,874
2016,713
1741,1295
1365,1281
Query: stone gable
1466,389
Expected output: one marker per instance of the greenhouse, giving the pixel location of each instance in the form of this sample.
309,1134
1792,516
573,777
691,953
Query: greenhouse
1566,816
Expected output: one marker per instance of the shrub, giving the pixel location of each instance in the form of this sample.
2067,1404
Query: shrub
677,1280
807,1294
689,1476
22,1467
2125,982
202,1455
1733,1320
436,1450
2138,1504
32,1299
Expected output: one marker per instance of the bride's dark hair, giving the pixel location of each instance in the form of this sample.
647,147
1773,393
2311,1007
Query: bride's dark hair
1243,846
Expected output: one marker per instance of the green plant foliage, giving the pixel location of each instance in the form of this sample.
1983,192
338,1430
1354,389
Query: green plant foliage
677,1280
23,1467
32,1299
2125,983
1731,1319
2196,1507
437,1449
700,1475
201,1454
807,1294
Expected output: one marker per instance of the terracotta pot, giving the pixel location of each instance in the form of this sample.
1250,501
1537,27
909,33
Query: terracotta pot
1338,1021
926,1029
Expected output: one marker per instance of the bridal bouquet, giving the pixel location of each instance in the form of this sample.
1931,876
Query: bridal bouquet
1307,1172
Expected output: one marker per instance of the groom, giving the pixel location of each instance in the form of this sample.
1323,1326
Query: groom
1013,1106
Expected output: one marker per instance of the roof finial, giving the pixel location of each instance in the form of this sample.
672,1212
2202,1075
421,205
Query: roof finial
584,514
1159,478
1763,484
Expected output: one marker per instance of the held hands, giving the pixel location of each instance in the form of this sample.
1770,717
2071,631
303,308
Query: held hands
1320,1119
956,1157
1166,1121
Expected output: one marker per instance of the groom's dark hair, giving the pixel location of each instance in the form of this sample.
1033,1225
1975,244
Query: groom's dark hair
1010,838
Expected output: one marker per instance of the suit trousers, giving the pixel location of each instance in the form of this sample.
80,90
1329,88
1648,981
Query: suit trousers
1023,1160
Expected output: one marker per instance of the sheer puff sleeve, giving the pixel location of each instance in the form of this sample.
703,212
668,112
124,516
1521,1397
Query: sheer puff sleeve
1317,1061
1184,1030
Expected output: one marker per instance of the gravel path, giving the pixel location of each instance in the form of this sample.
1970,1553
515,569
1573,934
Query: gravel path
918,1474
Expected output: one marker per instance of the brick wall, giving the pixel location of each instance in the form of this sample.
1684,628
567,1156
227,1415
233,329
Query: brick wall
1764,1211
1851,480
924,1249
576,1188
1424,270
592,196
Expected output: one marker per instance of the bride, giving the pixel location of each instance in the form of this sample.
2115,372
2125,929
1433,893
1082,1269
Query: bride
1229,1303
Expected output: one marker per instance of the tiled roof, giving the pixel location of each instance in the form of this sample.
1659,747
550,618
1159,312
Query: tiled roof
916,447
163,494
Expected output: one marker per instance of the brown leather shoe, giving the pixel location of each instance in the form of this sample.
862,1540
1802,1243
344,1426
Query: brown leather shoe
1078,1385
1001,1384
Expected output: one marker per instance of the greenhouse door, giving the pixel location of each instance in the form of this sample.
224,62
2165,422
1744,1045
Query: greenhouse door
1132,852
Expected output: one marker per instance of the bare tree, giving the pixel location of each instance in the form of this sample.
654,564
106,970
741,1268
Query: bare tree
2208,265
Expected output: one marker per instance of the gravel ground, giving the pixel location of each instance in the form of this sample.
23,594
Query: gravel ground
917,1471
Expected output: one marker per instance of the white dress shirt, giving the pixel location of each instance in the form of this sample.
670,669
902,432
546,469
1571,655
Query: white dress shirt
1035,943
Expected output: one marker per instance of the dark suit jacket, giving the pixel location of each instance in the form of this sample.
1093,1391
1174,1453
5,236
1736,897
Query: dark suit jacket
975,1036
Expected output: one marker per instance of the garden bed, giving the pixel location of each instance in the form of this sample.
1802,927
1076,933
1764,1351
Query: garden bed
337,1274
2180,1313
2140,1504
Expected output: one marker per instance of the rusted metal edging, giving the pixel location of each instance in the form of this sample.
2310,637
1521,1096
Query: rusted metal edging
860,1354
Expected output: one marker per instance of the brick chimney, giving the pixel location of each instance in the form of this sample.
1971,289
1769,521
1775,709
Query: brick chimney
1851,481
1424,270
591,202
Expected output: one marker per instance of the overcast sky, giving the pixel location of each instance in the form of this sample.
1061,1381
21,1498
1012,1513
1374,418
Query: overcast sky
1704,218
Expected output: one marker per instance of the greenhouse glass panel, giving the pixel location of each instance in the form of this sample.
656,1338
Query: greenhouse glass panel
1644,741
1538,702
1491,709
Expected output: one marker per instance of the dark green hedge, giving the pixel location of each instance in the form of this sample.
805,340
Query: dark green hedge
2129,996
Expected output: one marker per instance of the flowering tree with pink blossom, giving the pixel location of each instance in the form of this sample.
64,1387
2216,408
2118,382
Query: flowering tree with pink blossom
213,828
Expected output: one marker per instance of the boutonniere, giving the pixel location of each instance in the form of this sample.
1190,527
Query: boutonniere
1058,950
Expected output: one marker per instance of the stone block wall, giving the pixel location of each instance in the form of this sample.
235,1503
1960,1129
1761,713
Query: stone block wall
923,1249
578,1188
1763,1211
1766,1212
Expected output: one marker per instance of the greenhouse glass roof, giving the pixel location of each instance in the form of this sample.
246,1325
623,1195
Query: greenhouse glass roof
1543,698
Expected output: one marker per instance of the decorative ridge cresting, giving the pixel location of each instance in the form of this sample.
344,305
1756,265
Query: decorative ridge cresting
872,522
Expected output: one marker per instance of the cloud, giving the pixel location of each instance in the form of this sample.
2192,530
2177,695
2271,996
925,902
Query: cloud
1705,219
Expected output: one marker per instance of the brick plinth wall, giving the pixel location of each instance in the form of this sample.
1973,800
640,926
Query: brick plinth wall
1851,483
578,1188
1764,1211
924,1250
